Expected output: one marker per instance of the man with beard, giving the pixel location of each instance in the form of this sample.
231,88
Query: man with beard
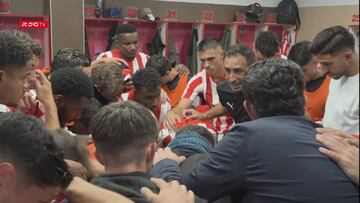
237,59
203,85
72,91
335,49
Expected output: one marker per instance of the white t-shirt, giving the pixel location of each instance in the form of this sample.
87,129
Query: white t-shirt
4,109
342,105
66,129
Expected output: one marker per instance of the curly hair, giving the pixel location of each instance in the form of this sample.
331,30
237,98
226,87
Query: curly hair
267,43
148,78
34,44
69,57
159,63
275,87
31,148
71,82
14,48
36,48
107,76
332,40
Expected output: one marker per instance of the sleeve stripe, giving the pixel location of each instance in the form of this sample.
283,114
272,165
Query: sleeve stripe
193,88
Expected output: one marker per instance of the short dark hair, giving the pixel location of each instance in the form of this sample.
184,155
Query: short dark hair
147,77
209,43
34,44
275,87
14,50
300,53
121,126
71,82
31,148
204,132
267,43
159,63
107,76
69,57
332,40
239,49
125,28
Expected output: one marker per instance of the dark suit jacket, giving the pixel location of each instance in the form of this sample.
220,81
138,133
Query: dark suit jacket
273,159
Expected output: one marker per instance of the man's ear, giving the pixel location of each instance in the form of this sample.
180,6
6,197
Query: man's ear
2,75
150,153
348,57
222,53
59,100
7,175
250,110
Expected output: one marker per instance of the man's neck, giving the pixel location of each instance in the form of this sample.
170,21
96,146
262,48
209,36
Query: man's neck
129,58
126,58
219,76
129,168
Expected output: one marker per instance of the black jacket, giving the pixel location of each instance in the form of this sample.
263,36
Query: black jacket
156,46
232,101
272,159
128,185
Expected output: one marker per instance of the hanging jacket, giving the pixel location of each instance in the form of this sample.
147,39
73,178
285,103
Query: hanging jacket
226,39
172,52
156,46
192,54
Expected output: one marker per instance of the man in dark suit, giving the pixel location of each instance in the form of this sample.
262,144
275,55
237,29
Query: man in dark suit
275,157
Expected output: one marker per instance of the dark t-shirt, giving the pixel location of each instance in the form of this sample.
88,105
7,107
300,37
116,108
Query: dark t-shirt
232,101
128,184
269,160
313,85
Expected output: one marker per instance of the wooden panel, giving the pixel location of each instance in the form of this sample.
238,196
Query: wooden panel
182,33
315,19
67,24
33,7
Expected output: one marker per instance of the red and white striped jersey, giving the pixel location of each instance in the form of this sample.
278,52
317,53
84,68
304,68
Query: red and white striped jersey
161,109
285,44
136,64
203,83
